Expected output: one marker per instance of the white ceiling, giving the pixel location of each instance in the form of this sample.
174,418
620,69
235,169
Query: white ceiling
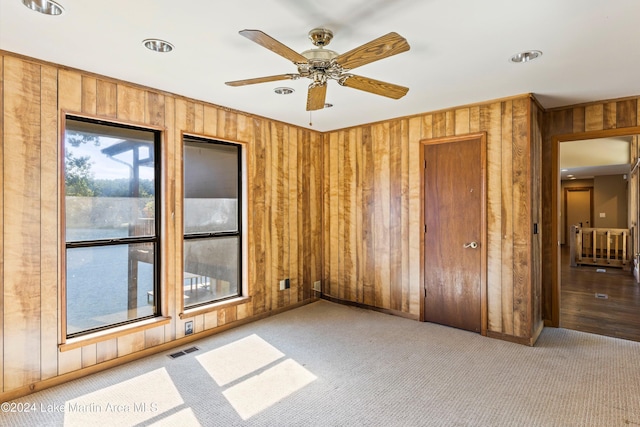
459,50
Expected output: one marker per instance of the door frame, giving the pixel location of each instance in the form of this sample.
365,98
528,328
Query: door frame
483,220
556,265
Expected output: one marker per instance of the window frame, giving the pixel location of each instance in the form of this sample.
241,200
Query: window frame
239,296
155,240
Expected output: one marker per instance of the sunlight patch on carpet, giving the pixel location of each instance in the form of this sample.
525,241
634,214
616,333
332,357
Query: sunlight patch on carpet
238,359
261,391
129,402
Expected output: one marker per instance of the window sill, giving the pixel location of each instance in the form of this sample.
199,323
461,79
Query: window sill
214,306
119,331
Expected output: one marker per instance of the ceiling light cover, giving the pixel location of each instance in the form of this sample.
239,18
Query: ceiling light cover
284,90
527,56
157,45
47,7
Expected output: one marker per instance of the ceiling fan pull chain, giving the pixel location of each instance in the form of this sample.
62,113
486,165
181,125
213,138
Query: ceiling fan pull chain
310,122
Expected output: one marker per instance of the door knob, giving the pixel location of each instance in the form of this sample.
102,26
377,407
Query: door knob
471,245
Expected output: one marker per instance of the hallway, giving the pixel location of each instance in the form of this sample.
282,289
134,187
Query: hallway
604,303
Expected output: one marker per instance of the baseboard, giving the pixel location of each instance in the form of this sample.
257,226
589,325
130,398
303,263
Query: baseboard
370,307
61,379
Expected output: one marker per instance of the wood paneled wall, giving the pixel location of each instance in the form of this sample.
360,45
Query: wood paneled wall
284,221
372,211
593,120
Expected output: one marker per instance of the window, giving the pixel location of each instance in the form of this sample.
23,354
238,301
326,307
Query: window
212,223
111,175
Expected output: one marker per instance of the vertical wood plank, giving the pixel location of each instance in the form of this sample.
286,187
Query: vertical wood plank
210,125
380,133
258,219
579,119
285,170
405,230
450,122
490,121
49,231
462,121
626,115
594,117
106,99
506,219
69,361
358,209
198,121
368,219
268,209
334,216
154,109
439,125
131,103
106,350
131,343
89,95
609,115
89,355
293,214
69,91
304,219
275,223
395,216
315,168
427,127
154,337
415,209
22,216
210,320
351,256
474,119
170,242
521,220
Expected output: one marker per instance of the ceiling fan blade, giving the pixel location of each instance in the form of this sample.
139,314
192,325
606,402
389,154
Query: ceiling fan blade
316,96
382,47
263,79
274,45
374,86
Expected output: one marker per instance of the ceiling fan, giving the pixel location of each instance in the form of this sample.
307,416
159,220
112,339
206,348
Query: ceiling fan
321,65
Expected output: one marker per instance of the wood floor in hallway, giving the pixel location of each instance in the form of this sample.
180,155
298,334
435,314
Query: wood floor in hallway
604,303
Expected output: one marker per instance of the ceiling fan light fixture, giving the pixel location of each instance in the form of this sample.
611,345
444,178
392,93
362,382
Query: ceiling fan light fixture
284,90
157,45
46,7
328,105
525,56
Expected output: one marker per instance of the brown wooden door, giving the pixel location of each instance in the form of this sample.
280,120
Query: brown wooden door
454,216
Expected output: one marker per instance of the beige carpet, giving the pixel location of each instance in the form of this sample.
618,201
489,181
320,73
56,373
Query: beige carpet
330,365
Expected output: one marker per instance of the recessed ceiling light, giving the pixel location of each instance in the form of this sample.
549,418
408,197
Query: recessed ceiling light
569,176
157,45
48,7
283,90
564,170
527,56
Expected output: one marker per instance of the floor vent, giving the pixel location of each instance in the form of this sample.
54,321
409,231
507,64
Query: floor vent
602,296
183,352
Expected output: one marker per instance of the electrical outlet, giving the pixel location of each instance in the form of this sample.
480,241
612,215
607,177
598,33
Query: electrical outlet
188,327
316,286
282,285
